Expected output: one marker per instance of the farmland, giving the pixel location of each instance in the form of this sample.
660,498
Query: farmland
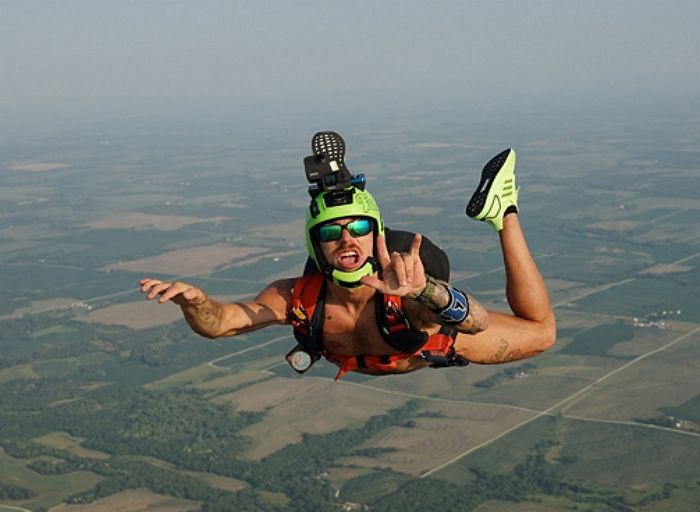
109,402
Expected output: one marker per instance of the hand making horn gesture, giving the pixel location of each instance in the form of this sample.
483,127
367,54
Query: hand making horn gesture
402,273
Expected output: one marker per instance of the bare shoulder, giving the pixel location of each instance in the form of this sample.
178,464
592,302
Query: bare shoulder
277,295
281,285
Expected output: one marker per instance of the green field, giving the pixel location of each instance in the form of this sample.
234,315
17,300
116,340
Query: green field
49,490
688,410
119,413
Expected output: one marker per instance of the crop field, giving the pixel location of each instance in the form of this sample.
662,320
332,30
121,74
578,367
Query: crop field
648,456
638,392
535,392
299,406
63,441
187,262
49,489
137,220
94,376
506,506
135,501
371,485
442,431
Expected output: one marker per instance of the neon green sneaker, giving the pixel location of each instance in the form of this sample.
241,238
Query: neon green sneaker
496,192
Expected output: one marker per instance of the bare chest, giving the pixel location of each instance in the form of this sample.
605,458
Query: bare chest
345,333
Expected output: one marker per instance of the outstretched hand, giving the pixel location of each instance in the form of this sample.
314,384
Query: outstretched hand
182,294
402,273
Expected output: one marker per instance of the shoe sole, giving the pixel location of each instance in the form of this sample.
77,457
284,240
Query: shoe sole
488,175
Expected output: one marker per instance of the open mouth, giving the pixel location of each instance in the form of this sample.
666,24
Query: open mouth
349,260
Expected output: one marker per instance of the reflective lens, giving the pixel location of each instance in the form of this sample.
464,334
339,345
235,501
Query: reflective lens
356,228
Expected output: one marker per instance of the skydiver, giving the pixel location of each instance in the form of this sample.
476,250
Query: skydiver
375,310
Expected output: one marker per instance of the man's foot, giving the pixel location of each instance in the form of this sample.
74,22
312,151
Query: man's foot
496,194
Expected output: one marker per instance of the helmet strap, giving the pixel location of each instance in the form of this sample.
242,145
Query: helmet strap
351,279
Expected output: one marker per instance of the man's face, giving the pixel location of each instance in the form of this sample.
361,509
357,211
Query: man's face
346,243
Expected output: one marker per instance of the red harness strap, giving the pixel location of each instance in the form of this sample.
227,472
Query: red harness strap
439,346
304,300
438,349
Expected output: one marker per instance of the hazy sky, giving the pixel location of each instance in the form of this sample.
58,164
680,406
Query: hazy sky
104,56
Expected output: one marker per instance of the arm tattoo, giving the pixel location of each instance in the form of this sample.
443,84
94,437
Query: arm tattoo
434,295
503,355
451,306
501,352
477,319
204,319
208,315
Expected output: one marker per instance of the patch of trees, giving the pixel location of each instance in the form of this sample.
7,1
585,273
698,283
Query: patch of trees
157,423
47,467
25,449
179,350
59,345
149,355
34,394
661,421
373,451
15,492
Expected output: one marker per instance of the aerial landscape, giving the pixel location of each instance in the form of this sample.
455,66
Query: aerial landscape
110,402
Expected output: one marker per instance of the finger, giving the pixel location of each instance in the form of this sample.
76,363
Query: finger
373,282
415,245
173,290
399,268
147,283
382,252
157,289
408,264
418,269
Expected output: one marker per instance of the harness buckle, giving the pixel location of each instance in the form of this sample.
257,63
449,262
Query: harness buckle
298,314
440,359
395,317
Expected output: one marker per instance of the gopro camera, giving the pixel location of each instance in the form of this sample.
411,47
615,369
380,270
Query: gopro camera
326,175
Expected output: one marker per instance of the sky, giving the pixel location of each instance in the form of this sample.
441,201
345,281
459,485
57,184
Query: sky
109,57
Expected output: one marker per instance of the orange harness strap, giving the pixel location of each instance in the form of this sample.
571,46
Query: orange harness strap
437,350
304,301
439,345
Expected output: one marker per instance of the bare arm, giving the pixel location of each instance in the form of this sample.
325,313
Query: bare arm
213,319
436,296
508,339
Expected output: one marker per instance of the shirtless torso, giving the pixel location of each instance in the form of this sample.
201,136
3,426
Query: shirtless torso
351,329
350,322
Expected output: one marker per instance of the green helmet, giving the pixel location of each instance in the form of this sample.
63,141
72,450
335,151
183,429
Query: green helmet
327,206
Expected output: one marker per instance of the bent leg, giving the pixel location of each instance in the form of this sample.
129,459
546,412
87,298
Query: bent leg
531,329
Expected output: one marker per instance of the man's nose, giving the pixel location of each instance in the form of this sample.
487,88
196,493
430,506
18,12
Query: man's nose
345,236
